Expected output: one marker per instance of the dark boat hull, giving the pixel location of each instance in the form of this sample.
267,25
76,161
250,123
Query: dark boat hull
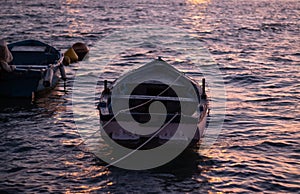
24,84
32,60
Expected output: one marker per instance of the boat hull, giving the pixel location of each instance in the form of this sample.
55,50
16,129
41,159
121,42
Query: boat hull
168,133
152,105
38,69
19,84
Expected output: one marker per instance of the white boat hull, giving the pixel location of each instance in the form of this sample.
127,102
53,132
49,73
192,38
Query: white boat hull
132,95
116,132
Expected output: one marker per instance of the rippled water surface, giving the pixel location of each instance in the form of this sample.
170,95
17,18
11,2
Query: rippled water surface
256,47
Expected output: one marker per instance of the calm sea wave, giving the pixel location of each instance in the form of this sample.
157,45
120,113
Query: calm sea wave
256,46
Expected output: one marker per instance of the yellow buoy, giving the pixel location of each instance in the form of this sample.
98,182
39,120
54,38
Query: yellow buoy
81,50
66,61
72,55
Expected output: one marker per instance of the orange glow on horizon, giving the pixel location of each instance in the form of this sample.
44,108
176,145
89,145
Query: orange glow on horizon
196,2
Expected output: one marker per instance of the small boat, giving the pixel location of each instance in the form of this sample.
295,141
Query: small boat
38,67
184,117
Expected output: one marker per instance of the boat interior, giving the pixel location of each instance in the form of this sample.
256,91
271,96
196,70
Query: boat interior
33,53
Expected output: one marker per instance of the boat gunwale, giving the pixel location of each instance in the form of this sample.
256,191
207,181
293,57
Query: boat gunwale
148,97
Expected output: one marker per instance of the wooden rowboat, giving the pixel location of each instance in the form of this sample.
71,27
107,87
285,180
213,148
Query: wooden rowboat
184,99
38,68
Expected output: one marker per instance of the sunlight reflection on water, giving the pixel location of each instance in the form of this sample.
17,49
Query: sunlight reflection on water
255,44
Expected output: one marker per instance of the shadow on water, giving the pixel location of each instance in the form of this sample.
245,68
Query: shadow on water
15,104
178,175
42,107
183,166
14,108
48,101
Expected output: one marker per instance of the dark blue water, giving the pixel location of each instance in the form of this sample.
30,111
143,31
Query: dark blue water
255,45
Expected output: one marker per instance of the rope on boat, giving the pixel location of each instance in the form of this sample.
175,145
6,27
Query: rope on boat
139,147
150,100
